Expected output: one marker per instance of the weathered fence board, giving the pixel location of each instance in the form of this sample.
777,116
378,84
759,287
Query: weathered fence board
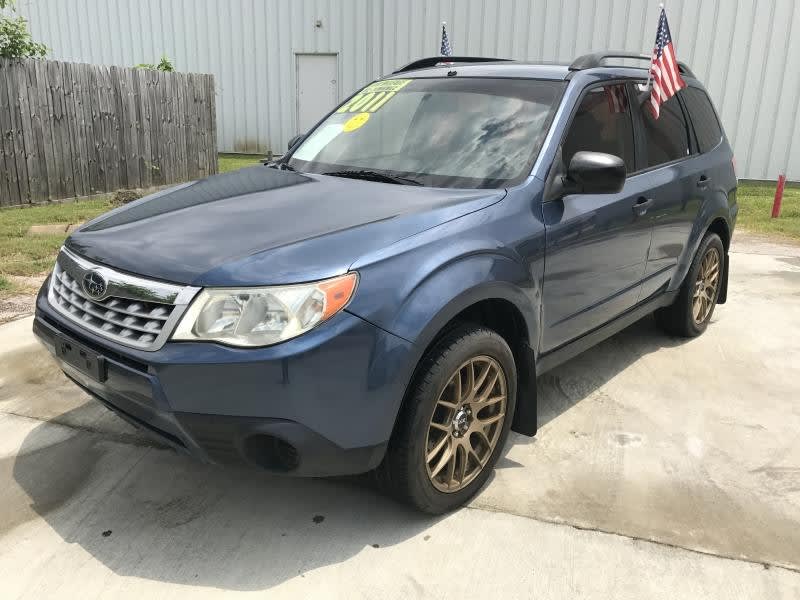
71,129
8,177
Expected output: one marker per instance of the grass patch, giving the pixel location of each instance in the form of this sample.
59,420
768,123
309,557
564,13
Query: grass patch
23,254
234,162
755,208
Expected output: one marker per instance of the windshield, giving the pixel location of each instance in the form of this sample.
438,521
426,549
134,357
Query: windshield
454,132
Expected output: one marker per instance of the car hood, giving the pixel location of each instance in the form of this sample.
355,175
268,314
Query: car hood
261,226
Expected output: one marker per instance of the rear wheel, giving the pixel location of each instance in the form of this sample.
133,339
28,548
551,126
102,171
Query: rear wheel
689,314
455,421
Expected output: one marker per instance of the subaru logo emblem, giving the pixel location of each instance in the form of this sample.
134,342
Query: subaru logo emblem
94,284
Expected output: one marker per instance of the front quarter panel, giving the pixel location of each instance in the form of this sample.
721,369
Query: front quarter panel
413,288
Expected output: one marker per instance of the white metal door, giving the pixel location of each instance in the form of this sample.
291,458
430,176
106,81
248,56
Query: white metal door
317,88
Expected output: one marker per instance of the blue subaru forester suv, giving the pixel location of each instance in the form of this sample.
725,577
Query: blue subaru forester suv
383,297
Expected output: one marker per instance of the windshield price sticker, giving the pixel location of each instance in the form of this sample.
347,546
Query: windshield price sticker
374,96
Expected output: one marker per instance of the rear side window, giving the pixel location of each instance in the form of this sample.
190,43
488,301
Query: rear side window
703,117
602,123
666,138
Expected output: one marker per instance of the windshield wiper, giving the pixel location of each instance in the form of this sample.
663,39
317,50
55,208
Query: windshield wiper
374,176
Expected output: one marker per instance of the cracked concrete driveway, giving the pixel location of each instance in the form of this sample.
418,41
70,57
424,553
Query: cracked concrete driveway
663,468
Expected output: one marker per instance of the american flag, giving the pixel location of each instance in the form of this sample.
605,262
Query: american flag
617,99
667,78
446,50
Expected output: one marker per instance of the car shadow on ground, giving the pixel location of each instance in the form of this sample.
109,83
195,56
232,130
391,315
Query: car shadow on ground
145,511
567,385
149,512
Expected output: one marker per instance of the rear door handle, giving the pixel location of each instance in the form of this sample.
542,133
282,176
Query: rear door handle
703,182
642,205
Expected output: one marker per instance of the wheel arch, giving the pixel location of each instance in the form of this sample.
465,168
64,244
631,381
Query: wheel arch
716,222
720,226
489,307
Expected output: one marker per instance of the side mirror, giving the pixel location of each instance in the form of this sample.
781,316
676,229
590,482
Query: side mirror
594,173
295,140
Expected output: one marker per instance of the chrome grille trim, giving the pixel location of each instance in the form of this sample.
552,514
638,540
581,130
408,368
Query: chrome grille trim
133,311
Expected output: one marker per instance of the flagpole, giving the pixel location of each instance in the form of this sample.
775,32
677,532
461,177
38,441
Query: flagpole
650,68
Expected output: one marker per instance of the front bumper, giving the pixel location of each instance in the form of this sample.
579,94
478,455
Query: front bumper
321,404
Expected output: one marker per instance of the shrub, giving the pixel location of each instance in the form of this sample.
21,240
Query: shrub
16,41
163,65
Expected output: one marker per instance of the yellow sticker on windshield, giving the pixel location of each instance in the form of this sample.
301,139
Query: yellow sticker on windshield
387,85
374,96
355,122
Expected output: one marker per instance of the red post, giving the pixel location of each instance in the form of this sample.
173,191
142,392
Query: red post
776,204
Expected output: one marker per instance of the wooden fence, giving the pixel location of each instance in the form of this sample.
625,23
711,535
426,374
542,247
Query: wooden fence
69,130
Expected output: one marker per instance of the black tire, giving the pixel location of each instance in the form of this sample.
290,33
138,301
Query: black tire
403,473
678,318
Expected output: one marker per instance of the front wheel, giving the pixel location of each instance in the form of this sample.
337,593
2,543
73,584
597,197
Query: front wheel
455,421
689,314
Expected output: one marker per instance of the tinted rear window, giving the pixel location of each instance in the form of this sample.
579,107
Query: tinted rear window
667,137
703,117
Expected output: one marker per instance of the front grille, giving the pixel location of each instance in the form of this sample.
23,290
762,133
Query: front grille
132,311
133,320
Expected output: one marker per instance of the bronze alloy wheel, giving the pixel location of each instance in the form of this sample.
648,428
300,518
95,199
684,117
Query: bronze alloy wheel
466,423
705,288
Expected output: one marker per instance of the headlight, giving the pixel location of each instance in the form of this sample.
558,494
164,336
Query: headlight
266,315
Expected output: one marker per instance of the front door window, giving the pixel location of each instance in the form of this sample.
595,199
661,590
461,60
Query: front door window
602,123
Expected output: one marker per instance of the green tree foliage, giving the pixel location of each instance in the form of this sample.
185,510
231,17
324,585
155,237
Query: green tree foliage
15,39
163,65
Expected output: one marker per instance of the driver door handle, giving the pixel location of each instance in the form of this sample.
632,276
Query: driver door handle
642,205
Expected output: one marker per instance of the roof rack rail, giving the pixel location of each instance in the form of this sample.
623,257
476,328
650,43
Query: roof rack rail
595,59
432,61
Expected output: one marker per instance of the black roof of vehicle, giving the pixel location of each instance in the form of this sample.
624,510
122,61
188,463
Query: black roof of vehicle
480,66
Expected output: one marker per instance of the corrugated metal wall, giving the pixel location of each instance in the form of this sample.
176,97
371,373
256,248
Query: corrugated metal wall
746,51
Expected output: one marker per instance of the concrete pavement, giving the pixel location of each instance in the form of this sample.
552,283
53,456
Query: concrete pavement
691,443
686,453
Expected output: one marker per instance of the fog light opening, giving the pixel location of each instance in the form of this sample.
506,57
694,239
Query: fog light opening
272,453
